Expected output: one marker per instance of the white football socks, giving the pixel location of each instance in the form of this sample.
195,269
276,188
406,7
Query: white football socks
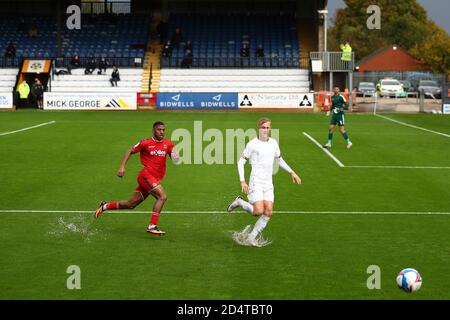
245,205
260,224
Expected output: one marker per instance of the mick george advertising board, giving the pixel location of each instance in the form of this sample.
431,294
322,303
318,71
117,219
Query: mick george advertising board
120,101
286,100
196,101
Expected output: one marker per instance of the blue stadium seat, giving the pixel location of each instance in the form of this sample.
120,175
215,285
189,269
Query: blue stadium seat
100,39
219,36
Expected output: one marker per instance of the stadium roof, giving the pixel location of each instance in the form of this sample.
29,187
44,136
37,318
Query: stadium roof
392,58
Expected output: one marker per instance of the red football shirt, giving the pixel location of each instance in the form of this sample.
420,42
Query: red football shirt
153,155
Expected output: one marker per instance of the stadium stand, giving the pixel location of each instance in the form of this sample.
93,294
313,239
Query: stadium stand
130,81
234,80
43,45
217,64
216,42
121,35
217,39
7,79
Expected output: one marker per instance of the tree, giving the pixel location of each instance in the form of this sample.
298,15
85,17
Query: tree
434,51
403,23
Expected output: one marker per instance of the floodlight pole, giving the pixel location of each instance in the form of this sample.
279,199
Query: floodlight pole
325,27
58,29
324,14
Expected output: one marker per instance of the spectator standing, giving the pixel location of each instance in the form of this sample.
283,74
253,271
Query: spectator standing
10,51
33,31
177,38
346,54
162,30
24,91
37,89
187,60
245,51
188,46
260,51
167,50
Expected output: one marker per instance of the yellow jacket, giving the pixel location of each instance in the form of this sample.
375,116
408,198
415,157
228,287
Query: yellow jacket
24,90
346,52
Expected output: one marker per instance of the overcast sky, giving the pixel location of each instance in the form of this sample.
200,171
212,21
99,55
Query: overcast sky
438,10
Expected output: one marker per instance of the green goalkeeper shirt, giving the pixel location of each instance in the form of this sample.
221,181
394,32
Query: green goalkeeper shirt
338,104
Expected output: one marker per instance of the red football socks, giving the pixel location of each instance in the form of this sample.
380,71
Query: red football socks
154,219
112,206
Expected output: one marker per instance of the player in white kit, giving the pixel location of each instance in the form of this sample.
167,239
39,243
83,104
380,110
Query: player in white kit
262,152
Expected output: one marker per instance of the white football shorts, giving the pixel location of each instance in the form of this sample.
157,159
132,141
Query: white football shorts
260,192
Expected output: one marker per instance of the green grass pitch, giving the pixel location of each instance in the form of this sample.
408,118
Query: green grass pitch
320,250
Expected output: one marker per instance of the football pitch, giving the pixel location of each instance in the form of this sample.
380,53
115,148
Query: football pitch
385,203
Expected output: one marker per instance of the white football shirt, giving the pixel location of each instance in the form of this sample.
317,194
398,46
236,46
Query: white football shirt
261,155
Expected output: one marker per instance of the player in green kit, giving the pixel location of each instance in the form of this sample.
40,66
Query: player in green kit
338,106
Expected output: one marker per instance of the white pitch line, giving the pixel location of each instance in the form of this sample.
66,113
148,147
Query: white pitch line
24,129
396,167
92,211
339,163
224,212
413,126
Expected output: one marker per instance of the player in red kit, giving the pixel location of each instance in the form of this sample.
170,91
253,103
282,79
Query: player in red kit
153,152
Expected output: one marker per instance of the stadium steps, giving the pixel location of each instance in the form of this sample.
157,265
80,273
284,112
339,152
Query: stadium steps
8,79
152,59
152,64
130,81
234,80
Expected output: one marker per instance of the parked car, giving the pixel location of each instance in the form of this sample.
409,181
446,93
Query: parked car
430,87
407,87
390,88
366,89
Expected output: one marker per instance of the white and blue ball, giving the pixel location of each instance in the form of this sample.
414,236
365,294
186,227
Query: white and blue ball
409,280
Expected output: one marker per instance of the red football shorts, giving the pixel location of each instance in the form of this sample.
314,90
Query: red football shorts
147,183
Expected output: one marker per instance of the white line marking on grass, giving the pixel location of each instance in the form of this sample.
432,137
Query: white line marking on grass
29,128
339,163
396,167
413,126
224,212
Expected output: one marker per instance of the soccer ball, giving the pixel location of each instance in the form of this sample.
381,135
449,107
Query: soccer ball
409,280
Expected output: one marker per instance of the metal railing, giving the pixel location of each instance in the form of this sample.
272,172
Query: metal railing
413,77
10,62
130,62
150,77
64,62
332,61
238,62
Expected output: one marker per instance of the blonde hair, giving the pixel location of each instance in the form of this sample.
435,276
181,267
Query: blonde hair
262,121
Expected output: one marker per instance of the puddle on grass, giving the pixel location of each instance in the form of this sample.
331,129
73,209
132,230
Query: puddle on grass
79,225
240,237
